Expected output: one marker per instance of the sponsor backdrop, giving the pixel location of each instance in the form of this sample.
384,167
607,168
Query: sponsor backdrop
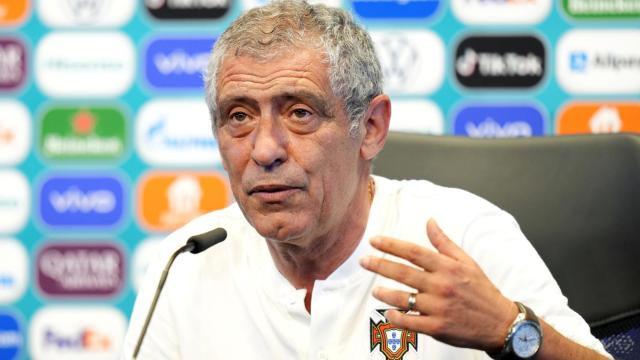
105,144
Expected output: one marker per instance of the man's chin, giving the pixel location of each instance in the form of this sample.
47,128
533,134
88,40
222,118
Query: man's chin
282,232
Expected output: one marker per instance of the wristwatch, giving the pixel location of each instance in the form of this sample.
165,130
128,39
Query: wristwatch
524,337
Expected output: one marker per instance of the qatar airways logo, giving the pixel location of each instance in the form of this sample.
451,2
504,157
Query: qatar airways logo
80,269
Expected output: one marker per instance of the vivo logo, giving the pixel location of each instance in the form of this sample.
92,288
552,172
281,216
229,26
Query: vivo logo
489,128
499,121
163,139
177,63
82,201
73,200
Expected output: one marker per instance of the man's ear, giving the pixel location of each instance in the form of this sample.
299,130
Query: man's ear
376,126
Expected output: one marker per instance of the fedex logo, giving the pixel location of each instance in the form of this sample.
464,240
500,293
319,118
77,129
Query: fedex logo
76,333
177,63
82,201
86,339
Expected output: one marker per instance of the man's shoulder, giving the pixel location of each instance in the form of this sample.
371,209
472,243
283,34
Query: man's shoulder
424,194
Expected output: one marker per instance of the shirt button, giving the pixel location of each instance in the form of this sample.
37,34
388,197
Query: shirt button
323,356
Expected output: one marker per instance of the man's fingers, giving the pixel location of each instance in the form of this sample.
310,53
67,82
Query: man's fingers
405,274
415,254
409,321
400,299
442,243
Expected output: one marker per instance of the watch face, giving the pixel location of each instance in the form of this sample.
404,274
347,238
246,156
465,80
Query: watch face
526,340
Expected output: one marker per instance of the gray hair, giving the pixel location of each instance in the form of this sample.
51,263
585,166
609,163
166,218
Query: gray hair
265,32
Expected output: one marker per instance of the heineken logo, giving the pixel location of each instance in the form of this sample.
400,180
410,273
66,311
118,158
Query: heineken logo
90,133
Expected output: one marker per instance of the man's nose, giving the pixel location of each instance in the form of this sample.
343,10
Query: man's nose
270,143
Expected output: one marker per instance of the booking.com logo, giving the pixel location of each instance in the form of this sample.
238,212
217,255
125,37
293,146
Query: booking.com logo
11,338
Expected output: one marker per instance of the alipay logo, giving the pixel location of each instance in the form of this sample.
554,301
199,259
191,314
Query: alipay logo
599,61
579,61
499,121
176,132
15,200
11,338
14,273
82,201
177,63
396,9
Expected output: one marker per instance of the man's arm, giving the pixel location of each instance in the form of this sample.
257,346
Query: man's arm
456,302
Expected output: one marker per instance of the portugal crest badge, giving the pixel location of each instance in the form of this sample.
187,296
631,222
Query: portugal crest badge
390,341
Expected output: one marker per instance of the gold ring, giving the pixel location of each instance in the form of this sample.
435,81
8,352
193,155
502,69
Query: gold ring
412,302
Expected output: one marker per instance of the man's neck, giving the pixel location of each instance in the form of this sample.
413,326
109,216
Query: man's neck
303,266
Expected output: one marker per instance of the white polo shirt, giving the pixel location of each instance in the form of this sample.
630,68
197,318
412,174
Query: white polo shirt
231,302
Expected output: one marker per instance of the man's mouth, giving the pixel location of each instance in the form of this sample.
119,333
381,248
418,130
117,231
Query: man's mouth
273,192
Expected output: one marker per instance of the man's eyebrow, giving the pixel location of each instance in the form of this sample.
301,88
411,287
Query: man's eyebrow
318,102
225,103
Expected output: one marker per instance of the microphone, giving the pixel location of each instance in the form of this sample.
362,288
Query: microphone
195,245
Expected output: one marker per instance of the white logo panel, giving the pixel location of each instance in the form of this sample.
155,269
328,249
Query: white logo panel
59,332
142,257
14,270
416,116
599,61
85,64
486,12
86,13
413,62
14,201
176,132
15,132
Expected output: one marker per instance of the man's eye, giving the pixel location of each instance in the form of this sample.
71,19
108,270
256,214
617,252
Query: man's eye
239,116
301,113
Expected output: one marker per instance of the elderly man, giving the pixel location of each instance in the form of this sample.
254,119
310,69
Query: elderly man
324,260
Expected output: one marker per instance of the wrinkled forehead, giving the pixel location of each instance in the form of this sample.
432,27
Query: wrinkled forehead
275,55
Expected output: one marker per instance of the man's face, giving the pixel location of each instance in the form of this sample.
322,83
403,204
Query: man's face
284,140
